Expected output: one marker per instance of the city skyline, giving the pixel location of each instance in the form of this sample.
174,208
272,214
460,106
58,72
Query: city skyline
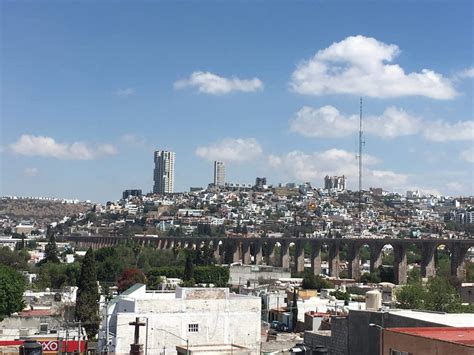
268,100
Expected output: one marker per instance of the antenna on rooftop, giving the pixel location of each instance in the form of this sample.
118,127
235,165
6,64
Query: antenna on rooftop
361,143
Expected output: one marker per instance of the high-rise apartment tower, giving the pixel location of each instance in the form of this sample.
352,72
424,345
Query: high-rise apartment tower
163,174
219,173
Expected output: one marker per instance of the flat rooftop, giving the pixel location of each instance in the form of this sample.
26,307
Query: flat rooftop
462,335
447,319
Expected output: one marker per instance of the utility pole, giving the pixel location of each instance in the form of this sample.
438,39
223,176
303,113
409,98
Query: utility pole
67,336
107,327
79,337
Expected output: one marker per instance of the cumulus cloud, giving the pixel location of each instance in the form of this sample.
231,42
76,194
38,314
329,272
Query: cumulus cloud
231,150
314,166
31,171
124,92
468,155
210,83
466,73
359,65
441,131
327,121
42,146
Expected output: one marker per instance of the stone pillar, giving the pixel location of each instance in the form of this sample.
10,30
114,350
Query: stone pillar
334,258
428,268
353,261
285,254
272,256
216,252
236,252
400,264
246,255
375,256
299,256
258,255
228,246
316,257
458,262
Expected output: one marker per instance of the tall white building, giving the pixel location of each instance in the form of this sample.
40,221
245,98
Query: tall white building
203,316
163,174
219,173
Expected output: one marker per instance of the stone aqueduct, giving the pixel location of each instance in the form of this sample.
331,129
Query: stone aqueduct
229,250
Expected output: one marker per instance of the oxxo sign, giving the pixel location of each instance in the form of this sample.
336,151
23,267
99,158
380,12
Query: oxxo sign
50,345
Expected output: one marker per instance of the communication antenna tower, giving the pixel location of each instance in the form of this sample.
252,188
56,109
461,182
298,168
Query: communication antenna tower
361,143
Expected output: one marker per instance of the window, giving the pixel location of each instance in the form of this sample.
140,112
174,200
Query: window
398,352
43,328
193,328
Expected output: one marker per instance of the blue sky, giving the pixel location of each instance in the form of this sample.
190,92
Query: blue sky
89,90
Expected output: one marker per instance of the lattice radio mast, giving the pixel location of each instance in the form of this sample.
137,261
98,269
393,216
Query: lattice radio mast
361,143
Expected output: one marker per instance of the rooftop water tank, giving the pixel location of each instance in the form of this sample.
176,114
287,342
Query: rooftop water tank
373,300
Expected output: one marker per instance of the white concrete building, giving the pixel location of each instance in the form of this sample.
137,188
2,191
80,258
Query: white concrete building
163,174
203,316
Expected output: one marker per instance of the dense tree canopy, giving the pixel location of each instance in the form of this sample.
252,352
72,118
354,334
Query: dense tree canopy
437,295
12,286
314,282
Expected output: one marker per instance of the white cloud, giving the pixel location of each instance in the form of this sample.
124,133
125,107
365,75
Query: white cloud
210,83
468,155
314,166
132,139
41,146
231,150
455,186
467,73
31,171
442,131
358,65
124,92
327,121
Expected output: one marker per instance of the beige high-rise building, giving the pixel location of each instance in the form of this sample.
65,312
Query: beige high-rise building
219,173
163,174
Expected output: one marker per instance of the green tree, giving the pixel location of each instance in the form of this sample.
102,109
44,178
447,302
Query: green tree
17,259
411,296
12,286
341,295
51,253
294,309
57,276
188,269
441,296
370,277
438,295
87,302
314,282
